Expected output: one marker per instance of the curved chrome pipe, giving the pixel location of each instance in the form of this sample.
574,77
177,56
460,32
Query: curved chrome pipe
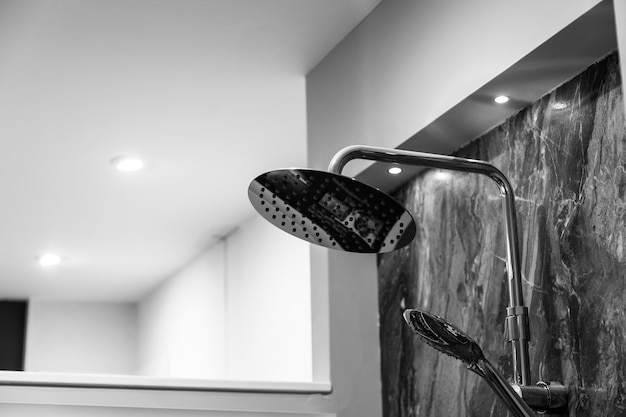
517,314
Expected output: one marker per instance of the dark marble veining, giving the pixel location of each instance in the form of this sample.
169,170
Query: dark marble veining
564,156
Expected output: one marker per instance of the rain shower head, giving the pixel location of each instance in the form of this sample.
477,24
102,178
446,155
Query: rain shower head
332,210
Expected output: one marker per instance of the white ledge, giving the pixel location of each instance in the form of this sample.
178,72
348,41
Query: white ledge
26,390
45,379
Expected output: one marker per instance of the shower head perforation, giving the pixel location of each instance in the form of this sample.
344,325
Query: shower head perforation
332,210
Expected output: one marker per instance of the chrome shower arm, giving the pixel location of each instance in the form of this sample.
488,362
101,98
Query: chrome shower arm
517,314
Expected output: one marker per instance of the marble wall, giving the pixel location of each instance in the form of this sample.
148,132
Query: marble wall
565,157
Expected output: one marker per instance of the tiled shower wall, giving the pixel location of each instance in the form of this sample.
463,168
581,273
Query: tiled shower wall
565,157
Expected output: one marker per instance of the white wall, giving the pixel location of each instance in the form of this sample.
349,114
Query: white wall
404,66
241,311
176,331
268,304
182,323
82,337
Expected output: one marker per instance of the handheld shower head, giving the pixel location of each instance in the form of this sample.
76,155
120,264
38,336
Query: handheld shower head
443,336
332,210
446,338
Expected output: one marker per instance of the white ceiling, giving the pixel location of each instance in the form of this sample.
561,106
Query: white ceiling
210,93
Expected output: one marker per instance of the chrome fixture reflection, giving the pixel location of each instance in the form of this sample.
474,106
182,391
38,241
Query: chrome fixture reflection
446,338
338,212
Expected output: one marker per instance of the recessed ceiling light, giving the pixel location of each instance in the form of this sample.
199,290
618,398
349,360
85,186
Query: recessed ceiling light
394,170
124,163
501,99
49,259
